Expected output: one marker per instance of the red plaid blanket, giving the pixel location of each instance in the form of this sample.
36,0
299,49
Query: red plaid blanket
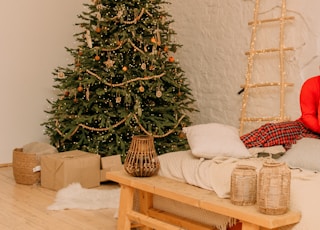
281,133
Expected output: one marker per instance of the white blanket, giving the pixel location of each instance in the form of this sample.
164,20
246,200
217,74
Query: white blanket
215,175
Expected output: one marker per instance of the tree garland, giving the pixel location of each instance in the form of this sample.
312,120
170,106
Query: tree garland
125,82
117,124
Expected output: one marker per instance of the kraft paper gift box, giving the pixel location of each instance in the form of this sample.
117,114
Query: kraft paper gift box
110,163
61,169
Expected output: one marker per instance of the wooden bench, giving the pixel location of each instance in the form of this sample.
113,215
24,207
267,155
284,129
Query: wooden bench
152,218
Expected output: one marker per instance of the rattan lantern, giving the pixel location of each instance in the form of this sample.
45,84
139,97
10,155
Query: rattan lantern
243,186
141,159
274,188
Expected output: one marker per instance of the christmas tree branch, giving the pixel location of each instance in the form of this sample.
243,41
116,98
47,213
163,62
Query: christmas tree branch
146,78
114,49
117,124
119,15
141,51
92,128
158,136
136,19
120,45
148,13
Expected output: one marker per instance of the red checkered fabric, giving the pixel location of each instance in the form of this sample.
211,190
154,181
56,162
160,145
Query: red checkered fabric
281,133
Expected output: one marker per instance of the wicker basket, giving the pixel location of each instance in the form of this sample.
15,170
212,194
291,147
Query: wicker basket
141,159
243,186
23,165
274,188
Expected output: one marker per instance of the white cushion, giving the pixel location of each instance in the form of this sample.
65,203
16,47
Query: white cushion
304,154
39,148
214,139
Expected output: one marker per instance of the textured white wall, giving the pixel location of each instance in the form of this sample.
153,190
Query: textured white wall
214,35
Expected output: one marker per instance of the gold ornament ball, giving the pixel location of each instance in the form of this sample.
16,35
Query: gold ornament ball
141,89
124,68
61,75
80,89
97,58
98,29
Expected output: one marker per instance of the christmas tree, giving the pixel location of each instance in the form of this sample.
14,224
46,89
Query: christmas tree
124,81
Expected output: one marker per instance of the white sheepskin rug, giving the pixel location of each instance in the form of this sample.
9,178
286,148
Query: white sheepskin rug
76,197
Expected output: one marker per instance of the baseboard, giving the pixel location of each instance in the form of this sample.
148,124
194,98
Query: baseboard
5,165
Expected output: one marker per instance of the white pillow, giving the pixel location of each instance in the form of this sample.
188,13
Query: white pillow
304,154
214,139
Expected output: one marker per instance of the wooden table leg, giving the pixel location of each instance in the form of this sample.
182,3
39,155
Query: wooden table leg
249,226
145,203
126,205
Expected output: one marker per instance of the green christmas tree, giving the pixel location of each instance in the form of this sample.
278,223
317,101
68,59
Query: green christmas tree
124,81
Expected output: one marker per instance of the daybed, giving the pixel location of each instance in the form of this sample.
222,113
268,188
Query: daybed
216,150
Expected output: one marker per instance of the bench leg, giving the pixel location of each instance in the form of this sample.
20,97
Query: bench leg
249,226
145,203
126,205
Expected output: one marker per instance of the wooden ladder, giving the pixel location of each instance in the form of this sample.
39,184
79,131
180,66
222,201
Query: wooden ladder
251,56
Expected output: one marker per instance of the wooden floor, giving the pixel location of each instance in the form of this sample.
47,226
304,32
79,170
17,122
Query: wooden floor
24,207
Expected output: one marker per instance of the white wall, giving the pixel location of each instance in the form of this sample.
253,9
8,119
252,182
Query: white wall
33,36
214,35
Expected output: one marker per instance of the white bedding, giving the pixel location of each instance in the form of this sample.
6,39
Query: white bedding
215,174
